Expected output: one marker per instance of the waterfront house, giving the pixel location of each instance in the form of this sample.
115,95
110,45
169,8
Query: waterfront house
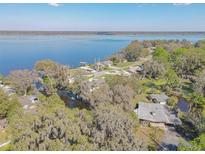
82,63
159,98
156,115
107,63
136,69
88,69
101,64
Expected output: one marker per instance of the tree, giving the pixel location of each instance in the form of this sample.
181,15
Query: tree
197,107
1,77
116,90
22,80
103,95
172,80
199,85
200,44
187,62
8,105
161,55
56,75
123,95
198,144
154,69
114,130
133,82
171,45
62,77
173,101
135,50
4,104
54,127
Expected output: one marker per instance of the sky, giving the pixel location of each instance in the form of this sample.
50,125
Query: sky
103,17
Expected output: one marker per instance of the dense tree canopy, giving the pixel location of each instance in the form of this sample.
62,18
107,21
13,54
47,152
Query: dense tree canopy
8,105
154,69
56,76
200,83
114,130
4,104
187,61
22,80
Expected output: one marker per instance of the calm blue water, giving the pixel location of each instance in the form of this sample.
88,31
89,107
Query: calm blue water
21,52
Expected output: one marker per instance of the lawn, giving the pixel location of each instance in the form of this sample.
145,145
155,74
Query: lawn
6,148
4,136
152,86
147,133
124,65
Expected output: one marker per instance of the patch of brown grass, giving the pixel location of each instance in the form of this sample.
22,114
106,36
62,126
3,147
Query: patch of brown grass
148,133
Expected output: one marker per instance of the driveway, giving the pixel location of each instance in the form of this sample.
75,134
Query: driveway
171,139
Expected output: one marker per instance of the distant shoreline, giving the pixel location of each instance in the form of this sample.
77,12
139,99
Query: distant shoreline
3,33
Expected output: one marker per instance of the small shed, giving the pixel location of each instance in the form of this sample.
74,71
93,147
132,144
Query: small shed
159,98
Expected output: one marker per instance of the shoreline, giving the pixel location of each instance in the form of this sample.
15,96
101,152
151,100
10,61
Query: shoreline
11,33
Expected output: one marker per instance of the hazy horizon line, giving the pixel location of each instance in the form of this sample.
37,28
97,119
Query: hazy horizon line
39,32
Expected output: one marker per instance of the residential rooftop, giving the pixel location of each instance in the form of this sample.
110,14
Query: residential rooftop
157,113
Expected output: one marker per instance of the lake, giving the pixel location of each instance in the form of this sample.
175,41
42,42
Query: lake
22,52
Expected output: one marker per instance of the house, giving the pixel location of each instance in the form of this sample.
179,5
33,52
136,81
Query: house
1,84
135,69
3,123
71,80
42,74
82,63
7,89
38,86
159,98
33,99
107,63
156,115
88,69
151,49
28,102
100,64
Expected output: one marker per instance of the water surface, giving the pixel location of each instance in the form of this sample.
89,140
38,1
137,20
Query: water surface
22,52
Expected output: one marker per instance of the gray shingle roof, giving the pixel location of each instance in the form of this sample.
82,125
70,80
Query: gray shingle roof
159,97
156,113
